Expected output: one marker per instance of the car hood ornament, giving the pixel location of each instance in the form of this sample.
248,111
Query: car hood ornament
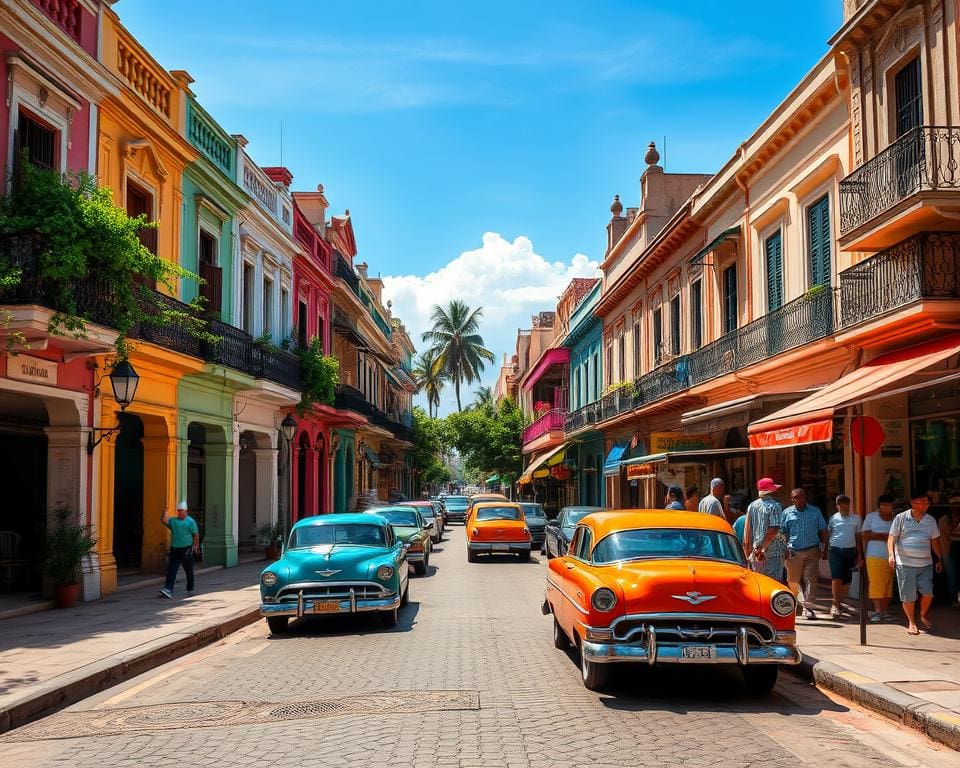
327,573
694,598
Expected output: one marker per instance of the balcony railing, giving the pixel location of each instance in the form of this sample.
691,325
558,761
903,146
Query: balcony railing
582,417
926,266
803,320
349,398
276,365
925,159
551,421
345,272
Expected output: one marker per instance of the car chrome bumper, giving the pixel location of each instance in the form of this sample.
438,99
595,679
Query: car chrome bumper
502,546
782,650
456,517
416,557
308,607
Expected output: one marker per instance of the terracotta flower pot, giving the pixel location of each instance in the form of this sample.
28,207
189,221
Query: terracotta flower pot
66,595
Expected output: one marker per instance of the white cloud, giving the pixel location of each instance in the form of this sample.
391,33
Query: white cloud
508,279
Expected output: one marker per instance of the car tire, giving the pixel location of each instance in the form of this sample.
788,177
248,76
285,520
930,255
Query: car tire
471,556
277,624
524,555
760,678
560,639
594,675
389,618
420,568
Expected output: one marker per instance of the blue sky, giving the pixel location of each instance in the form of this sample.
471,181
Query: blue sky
478,146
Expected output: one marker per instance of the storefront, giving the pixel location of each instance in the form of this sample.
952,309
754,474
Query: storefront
549,481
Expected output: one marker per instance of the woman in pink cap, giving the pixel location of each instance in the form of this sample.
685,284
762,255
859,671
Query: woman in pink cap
763,544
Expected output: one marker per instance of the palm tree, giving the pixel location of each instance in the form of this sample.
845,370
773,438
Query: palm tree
483,399
429,377
456,343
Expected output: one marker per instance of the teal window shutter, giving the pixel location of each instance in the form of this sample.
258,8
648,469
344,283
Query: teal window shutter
820,237
774,251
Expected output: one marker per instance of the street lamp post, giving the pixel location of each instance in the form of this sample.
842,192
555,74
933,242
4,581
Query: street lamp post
288,428
124,380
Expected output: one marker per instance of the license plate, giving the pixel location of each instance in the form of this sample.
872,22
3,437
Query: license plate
697,653
330,607
501,547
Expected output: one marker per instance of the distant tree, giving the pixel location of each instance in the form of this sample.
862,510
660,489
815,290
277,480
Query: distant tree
489,441
430,379
455,340
429,447
483,399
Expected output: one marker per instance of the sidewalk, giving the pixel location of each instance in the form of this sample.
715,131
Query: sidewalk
913,679
56,657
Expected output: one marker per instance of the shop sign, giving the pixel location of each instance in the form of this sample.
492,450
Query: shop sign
666,442
32,369
641,471
801,434
892,451
560,472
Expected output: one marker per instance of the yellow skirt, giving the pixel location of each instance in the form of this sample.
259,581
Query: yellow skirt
880,576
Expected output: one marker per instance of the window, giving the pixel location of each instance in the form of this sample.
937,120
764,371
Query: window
582,551
284,312
212,288
696,312
268,307
622,356
596,375
140,203
302,324
576,390
818,230
207,249
675,325
658,349
321,333
248,297
773,250
608,374
636,348
730,298
39,141
908,87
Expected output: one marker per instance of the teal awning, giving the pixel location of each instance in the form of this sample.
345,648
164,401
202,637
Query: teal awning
611,465
492,480
727,234
372,457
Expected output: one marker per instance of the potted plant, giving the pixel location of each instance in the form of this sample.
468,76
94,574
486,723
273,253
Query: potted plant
67,544
270,536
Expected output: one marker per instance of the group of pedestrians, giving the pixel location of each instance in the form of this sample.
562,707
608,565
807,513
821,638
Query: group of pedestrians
788,544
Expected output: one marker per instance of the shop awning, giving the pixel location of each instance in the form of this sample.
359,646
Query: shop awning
372,457
540,466
611,464
727,234
688,457
811,420
733,413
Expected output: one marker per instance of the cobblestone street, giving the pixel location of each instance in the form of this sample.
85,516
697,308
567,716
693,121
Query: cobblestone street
469,678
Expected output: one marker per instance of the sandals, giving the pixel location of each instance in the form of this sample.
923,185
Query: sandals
913,631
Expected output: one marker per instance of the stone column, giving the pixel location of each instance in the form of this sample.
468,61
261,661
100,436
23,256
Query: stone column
267,486
220,543
235,480
104,515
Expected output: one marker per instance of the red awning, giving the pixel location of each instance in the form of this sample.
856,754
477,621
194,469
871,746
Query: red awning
811,420
550,358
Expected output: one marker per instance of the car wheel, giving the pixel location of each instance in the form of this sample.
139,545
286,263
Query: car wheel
560,639
420,568
389,618
524,555
760,678
471,556
277,624
594,675
405,598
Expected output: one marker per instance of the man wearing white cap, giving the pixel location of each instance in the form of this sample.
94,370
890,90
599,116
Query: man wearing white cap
184,543
762,542
712,503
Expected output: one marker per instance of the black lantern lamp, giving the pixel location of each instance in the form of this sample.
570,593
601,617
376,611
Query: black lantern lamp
124,380
288,427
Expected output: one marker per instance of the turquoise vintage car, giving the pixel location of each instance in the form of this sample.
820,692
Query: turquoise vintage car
409,526
336,564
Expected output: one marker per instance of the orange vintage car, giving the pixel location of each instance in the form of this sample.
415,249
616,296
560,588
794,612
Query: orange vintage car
497,527
667,587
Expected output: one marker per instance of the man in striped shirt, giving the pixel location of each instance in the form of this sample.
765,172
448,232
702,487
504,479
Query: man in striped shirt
912,534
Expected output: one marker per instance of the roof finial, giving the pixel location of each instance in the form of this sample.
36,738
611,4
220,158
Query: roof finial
652,157
617,207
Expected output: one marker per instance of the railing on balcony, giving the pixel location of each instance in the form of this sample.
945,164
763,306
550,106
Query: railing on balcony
349,398
158,328
344,271
924,159
276,365
551,421
926,266
582,417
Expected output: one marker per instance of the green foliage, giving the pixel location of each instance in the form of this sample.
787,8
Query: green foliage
84,235
456,344
319,375
67,544
430,379
489,440
430,444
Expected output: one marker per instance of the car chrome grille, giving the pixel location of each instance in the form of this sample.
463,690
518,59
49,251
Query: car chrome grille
341,591
709,629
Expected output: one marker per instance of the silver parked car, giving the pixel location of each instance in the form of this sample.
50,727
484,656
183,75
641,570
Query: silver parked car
536,522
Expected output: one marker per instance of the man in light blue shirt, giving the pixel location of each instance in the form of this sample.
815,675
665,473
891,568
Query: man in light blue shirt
763,540
912,535
806,534
845,551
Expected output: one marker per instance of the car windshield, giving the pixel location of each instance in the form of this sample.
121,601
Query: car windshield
456,501
532,511
403,517
498,513
573,515
667,543
359,534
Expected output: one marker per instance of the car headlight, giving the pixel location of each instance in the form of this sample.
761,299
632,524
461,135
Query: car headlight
475,532
385,572
603,599
783,603
269,578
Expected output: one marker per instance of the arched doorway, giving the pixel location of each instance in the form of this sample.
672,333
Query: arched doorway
303,451
321,496
128,495
348,476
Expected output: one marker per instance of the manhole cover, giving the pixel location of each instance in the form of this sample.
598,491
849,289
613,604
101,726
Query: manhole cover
308,709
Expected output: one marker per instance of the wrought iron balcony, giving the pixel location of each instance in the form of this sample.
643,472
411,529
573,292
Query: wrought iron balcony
349,398
157,328
925,159
582,417
276,365
551,421
926,266
345,272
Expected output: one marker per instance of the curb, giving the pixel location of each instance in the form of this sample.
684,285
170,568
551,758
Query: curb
941,725
93,678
